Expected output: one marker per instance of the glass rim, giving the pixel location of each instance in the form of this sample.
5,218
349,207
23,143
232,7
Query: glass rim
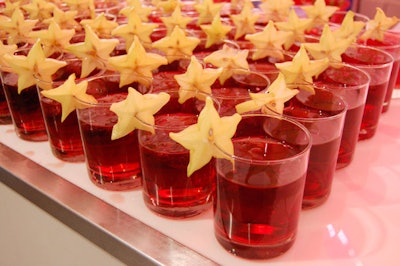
346,86
98,104
390,59
167,127
299,154
338,98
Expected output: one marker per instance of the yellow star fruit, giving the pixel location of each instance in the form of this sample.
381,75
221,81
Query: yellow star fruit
177,44
93,51
101,25
229,59
137,112
272,100
54,39
216,31
301,69
268,42
196,80
319,12
349,29
208,137
33,66
137,65
176,19
376,27
66,93
328,46
207,10
276,10
245,21
17,27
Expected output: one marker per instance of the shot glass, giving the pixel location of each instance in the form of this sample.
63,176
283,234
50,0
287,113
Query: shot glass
24,107
259,196
236,89
111,164
5,116
378,64
323,114
351,84
391,45
64,136
167,190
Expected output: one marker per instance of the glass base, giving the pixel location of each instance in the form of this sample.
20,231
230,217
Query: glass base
134,181
39,135
255,252
177,212
69,156
313,203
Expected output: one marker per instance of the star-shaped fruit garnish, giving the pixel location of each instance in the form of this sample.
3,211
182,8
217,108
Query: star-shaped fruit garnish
216,31
101,25
137,7
276,10
9,7
177,44
319,12
229,59
301,69
207,10
84,7
196,80
135,27
137,65
137,112
66,93
349,28
17,27
377,26
271,101
176,19
328,46
268,42
93,51
207,138
297,26
66,20
245,21
6,49
168,6
39,9
33,66
54,39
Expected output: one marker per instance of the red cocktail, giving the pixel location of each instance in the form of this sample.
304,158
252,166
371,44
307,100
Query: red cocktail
323,114
64,136
351,84
24,108
112,164
167,190
391,45
5,116
378,64
258,198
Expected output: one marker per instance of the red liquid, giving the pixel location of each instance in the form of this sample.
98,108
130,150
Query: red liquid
167,189
5,116
351,130
65,138
394,79
326,141
390,45
372,110
255,215
25,109
112,164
